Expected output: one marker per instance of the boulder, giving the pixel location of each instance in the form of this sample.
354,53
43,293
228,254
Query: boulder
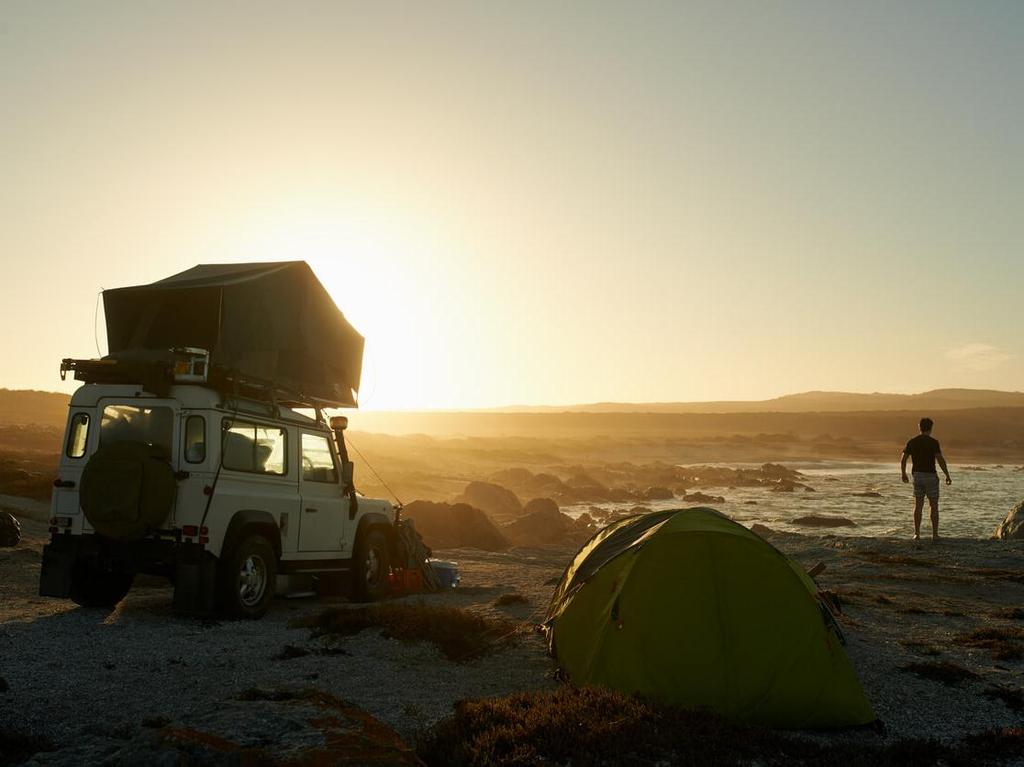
763,530
451,526
500,502
700,497
542,528
778,471
658,494
540,504
515,477
10,529
822,520
586,521
1013,525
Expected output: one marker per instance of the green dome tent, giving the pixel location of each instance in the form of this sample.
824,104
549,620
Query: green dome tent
691,609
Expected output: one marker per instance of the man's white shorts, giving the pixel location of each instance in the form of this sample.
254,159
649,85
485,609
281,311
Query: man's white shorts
926,484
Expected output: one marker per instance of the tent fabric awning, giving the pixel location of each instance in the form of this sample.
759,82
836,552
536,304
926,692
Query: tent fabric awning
274,321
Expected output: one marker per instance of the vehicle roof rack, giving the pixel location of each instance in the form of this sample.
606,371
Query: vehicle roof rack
157,373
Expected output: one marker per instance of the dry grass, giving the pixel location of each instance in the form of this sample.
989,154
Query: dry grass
460,634
940,671
920,648
1010,613
1013,698
1005,643
1014,576
506,600
896,559
17,747
545,728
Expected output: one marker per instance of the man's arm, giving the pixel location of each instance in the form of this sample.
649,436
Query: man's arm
903,467
942,463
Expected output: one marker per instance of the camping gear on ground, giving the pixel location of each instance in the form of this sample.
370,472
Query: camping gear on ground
402,580
447,572
10,529
691,609
412,557
272,322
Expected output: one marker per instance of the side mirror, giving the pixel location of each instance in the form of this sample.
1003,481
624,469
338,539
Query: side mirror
347,474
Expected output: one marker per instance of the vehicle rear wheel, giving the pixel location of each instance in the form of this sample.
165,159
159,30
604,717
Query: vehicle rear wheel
246,578
372,567
95,588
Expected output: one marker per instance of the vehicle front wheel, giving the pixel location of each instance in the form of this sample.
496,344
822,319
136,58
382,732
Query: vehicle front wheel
372,567
246,578
95,588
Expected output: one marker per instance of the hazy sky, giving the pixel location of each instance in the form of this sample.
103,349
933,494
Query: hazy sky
537,202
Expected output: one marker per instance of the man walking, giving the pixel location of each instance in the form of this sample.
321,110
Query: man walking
925,451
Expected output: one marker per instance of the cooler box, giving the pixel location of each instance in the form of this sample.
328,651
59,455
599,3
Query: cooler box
447,572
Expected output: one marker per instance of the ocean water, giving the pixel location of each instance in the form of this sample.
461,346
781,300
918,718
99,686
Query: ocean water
972,507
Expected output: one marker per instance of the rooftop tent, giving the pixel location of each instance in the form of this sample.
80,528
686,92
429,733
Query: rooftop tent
691,609
272,321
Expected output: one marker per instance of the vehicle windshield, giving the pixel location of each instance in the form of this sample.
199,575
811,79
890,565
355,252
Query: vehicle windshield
130,423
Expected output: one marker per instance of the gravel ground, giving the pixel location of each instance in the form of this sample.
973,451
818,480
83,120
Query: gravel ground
100,684
90,680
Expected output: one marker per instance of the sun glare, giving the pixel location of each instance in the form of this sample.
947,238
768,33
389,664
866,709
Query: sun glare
383,273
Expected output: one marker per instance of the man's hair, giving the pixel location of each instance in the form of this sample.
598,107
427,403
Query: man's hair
926,424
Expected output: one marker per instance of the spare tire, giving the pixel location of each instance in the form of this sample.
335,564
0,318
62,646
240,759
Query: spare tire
127,488
10,529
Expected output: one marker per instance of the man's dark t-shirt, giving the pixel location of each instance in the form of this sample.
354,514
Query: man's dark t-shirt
922,449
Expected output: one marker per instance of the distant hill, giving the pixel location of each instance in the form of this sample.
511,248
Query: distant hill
808,402
28,406
19,406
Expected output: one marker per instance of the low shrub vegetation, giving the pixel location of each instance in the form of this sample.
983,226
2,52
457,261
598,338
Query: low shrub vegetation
506,600
460,634
589,727
17,747
940,671
1004,642
920,648
1012,697
1010,613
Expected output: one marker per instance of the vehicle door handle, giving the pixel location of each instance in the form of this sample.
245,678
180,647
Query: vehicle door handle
310,510
179,475
63,483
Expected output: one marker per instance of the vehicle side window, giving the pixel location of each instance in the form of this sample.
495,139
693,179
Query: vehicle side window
132,423
77,435
195,439
254,447
317,461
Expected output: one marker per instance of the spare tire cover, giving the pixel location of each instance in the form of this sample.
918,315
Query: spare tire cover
127,488
10,529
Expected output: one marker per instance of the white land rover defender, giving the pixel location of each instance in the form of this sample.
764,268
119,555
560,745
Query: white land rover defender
175,465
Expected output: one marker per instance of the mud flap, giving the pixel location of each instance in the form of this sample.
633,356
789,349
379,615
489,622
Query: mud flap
195,583
58,564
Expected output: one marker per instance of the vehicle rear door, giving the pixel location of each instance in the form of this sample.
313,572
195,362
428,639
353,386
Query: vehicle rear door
142,419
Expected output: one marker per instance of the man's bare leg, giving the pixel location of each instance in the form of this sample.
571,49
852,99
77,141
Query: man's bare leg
918,508
934,503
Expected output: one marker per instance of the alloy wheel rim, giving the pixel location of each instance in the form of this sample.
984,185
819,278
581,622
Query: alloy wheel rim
372,567
252,580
